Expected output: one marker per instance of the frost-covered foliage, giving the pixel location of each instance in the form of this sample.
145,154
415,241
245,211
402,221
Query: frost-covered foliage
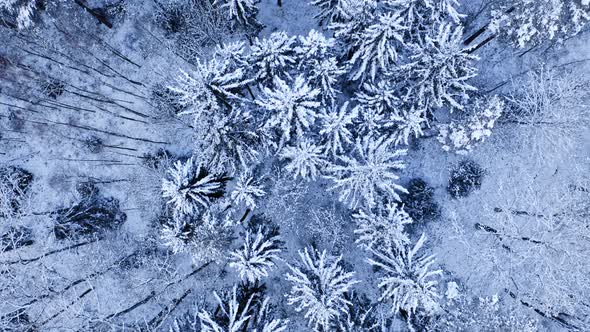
462,136
243,11
336,126
546,107
330,10
247,190
14,191
439,71
257,256
326,229
378,47
366,175
383,228
379,97
304,160
486,314
205,238
191,187
237,313
319,287
209,89
23,9
408,280
292,107
527,22
272,56
316,58
420,15
231,141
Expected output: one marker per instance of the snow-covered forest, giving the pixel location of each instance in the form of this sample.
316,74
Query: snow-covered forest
294,165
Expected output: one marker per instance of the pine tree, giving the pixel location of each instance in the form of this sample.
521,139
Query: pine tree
356,16
24,10
209,88
273,56
314,46
291,107
205,238
383,228
304,160
229,141
247,190
439,71
329,10
319,287
409,124
192,187
324,74
335,128
378,48
367,176
525,22
257,256
408,280
243,11
379,97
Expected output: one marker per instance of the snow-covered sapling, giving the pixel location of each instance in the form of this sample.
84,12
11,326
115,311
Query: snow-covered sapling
336,123
368,176
382,228
525,22
407,278
439,71
379,47
247,190
257,256
319,287
465,178
292,107
242,11
272,56
191,187
305,160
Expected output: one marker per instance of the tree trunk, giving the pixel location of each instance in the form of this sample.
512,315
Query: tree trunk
280,3
101,18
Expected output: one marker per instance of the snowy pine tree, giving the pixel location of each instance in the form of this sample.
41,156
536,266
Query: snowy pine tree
526,22
409,124
314,46
335,128
247,190
242,11
379,97
330,10
273,56
439,70
191,187
292,107
383,228
229,141
367,176
304,160
408,280
209,88
378,47
24,10
205,238
319,287
257,256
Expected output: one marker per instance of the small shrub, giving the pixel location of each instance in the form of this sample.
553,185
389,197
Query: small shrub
93,144
15,238
14,186
93,215
466,178
53,89
419,202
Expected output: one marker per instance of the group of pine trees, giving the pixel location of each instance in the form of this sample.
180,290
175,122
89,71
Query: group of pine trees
342,109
